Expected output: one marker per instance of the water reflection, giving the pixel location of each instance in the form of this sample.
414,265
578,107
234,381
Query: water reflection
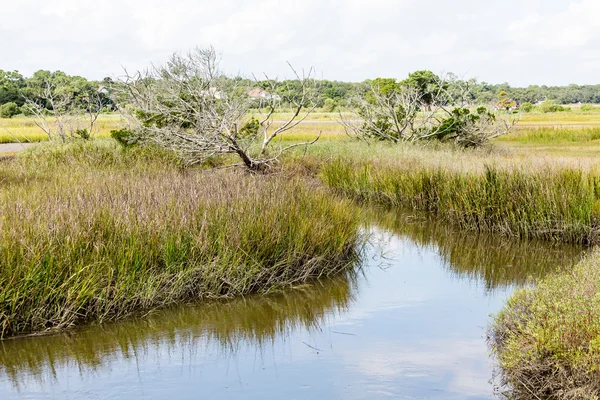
494,260
410,324
256,320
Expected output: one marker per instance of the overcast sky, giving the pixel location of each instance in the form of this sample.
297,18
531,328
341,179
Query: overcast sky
517,41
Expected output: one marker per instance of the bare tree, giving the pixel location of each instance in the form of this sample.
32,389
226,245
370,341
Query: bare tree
404,114
56,112
190,107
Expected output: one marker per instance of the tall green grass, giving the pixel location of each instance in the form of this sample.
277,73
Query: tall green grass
543,201
91,233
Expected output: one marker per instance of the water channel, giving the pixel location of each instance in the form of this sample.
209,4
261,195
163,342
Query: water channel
410,323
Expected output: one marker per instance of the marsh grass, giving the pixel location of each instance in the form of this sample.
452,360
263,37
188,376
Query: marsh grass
553,135
547,337
560,118
89,232
544,199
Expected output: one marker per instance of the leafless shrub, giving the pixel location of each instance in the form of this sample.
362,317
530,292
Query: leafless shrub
404,113
56,112
190,107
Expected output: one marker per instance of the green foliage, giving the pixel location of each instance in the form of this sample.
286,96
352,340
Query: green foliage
14,88
330,105
527,107
461,120
589,108
9,110
250,128
163,119
549,106
11,84
26,110
82,133
124,137
505,102
382,122
547,338
427,83
385,86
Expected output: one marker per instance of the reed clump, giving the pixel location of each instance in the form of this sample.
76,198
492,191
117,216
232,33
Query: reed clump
96,235
511,197
547,338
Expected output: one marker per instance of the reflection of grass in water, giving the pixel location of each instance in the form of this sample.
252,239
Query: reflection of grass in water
256,319
497,261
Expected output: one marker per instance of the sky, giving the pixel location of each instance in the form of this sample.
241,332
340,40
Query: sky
522,42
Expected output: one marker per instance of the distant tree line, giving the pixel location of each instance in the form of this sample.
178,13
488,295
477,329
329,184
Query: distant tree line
16,90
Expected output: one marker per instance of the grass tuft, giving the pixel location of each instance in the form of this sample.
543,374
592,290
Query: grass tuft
91,233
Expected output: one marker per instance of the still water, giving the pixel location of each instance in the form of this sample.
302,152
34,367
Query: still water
410,323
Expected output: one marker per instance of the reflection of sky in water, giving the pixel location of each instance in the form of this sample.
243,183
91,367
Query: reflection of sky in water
414,331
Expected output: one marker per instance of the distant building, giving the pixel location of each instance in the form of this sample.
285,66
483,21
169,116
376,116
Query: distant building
259,94
104,90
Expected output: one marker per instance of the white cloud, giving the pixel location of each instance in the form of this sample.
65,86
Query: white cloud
573,29
527,41
458,367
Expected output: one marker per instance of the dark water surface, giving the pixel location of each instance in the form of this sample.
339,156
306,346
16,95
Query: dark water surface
411,324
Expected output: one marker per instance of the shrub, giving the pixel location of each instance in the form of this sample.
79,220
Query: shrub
547,338
82,133
549,106
330,105
125,137
526,107
250,128
588,108
9,110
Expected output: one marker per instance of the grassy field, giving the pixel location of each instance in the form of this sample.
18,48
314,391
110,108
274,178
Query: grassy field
91,233
542,131
24,129
560,118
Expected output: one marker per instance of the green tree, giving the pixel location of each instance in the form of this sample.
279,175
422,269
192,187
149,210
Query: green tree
11,84
429,85
527,107
9,110
329,105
